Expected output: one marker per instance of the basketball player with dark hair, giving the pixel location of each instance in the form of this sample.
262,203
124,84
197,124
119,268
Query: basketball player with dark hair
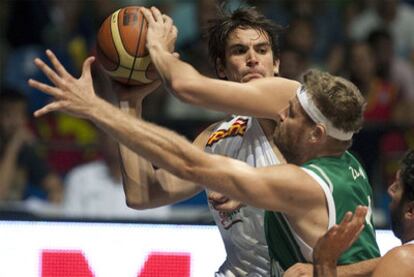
398,261
301,194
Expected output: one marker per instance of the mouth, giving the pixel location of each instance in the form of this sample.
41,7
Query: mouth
252,75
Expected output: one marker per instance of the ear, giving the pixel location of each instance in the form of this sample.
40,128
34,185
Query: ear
276,67
409,211
220,69
318,134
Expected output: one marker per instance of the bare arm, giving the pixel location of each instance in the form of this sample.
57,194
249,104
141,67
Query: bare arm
397,262
263,98
145,186
8,162
175,154
360,269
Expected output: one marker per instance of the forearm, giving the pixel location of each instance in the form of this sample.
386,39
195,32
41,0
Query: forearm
8,164
143,187
172,71
364,268
263,98
155,144
144,143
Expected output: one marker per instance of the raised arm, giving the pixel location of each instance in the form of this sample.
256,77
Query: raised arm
144,185
263,98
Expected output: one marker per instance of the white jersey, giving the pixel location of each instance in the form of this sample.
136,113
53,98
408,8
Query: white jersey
242,230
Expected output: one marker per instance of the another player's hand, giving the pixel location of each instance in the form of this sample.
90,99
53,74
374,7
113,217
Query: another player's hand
340,237
71,95
161,30
222,203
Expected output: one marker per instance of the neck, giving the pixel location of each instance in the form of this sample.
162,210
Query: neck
407,236
268,127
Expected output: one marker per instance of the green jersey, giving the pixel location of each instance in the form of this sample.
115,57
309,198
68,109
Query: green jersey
346,186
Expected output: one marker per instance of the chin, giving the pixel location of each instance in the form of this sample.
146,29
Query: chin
251,77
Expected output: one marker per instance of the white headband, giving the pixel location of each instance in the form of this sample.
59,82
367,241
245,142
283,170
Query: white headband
316,115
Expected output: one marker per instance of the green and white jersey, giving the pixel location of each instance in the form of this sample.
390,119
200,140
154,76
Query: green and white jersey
346,186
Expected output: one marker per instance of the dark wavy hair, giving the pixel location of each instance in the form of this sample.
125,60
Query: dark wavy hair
407,175
220,28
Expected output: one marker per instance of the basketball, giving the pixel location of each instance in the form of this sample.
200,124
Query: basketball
121,47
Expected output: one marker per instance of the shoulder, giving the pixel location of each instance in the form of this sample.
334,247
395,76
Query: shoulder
399,258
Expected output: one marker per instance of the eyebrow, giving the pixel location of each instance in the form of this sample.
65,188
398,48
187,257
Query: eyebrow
244,45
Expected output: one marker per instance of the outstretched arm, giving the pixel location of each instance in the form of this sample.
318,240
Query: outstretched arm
264,97
168,150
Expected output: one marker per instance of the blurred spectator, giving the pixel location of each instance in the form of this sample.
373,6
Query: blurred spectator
194,49
22,171
393,15
381,94
300,37
396,70
292,63
318,20
95,189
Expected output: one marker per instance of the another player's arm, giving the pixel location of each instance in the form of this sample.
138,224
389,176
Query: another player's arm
264,97
397,262
285,188
360,269
234,178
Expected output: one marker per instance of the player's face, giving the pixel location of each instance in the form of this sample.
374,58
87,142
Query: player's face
395,191
248,56
292,132
12,118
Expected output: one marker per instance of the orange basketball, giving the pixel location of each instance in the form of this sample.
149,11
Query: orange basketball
121,47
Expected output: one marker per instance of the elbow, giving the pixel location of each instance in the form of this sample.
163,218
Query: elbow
135,204
138,203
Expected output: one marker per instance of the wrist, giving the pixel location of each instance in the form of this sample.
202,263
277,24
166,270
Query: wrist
156,47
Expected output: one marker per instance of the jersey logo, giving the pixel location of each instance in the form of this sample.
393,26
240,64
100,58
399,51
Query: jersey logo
228,219
238,128
357,173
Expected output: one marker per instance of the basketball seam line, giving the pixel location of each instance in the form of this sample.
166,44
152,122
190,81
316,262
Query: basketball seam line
136,48
112,36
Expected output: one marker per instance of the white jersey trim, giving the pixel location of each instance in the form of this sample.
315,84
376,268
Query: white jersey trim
306,249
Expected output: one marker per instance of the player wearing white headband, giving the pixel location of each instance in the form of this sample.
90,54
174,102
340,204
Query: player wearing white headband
303,198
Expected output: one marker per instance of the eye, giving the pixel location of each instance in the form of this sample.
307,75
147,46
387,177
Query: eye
262,50
238,50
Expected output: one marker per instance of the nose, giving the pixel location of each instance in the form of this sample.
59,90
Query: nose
283,114
252,58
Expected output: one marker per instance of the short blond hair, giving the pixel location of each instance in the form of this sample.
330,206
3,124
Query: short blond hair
338,99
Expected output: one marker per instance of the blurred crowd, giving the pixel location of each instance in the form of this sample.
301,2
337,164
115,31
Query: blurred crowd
66,161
